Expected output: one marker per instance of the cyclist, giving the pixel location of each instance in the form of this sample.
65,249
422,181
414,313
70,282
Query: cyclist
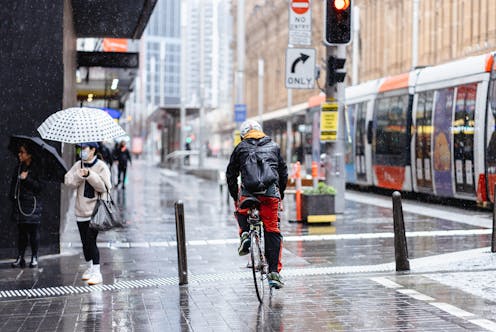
274,174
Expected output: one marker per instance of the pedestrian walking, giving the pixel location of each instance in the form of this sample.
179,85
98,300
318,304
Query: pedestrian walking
264,175
91,178
122,156
187,147
25,191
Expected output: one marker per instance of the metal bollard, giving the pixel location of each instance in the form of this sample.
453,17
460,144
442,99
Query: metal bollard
493,237
182,262
400,245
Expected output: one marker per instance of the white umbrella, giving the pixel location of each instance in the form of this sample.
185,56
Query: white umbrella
80,124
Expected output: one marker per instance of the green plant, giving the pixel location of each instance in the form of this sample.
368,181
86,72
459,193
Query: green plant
322,189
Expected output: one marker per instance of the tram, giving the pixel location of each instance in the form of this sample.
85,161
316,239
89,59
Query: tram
431,131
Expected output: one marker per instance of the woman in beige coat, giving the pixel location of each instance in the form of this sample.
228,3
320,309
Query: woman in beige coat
91,178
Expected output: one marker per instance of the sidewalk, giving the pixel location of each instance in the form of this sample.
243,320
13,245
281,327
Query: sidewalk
339,277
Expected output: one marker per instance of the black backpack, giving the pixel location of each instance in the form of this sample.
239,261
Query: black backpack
256,173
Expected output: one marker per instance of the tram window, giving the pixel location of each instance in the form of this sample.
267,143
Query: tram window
391,125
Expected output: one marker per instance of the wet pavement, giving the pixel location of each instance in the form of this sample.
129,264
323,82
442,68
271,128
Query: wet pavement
339,277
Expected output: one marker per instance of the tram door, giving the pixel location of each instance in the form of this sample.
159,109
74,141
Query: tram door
360,141
423,130
463,138
442,142
491,134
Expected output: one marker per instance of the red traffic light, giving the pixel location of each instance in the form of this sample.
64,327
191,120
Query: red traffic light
341,4
337,22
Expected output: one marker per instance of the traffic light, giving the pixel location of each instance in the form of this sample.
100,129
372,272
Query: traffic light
335,70
337,22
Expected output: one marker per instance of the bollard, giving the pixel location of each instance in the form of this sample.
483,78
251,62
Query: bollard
493,237
298,192
182,262
315,174
400,245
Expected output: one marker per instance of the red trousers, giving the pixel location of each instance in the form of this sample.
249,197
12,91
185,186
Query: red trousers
269,207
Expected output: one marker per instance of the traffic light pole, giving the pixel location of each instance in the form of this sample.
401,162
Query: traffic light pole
335,151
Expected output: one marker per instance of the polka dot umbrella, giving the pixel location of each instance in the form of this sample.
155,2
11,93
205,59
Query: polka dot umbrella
80,124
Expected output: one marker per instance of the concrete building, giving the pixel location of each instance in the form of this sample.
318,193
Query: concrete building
38,77
209,63
208,80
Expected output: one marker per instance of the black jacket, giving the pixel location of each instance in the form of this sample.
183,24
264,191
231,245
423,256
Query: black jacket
271,153
123,157
26,194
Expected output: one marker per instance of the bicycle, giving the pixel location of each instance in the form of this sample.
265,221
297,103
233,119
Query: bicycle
259,265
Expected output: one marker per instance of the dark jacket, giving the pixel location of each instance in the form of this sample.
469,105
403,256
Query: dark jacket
26,194
123,157
106,154
270,152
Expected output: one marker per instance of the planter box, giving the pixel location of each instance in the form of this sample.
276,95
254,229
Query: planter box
320,208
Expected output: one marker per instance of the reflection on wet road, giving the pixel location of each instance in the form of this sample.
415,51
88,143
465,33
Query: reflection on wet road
338,277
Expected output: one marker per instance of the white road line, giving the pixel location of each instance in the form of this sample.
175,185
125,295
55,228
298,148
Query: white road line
386,282
139,244
159,244
452,310
309,238
416,295
484,323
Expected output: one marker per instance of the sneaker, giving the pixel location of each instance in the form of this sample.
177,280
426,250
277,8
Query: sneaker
244,244
275,280
87,274
96,278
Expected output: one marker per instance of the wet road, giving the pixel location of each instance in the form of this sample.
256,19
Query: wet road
338,278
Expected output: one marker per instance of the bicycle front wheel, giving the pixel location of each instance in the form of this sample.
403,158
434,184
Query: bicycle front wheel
258,266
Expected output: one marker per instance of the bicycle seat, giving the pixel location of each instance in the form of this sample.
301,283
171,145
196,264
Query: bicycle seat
249,202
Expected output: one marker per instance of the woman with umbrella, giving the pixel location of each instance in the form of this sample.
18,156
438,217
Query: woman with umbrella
91,178
26,188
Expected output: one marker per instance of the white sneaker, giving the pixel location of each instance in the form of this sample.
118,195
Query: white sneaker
87,274
96,278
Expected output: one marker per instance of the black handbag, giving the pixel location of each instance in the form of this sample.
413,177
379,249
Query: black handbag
106,214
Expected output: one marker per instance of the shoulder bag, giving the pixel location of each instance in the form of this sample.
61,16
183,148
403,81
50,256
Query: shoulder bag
106,215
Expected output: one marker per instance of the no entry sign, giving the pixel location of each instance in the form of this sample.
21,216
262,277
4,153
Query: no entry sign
300,7
300,22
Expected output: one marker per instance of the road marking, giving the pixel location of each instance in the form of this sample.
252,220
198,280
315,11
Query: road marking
416,295
386,282
450,309
484,323
304,238
198,278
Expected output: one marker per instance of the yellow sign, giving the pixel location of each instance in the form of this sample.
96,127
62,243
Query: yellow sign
329,122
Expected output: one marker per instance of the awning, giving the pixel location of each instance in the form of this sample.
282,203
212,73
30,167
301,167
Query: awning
115,18
161,113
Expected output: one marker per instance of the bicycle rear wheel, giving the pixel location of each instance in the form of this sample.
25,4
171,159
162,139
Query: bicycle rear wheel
259,266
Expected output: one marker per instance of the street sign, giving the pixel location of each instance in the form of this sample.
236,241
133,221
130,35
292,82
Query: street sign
300,68
239,112
300,22
329,122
